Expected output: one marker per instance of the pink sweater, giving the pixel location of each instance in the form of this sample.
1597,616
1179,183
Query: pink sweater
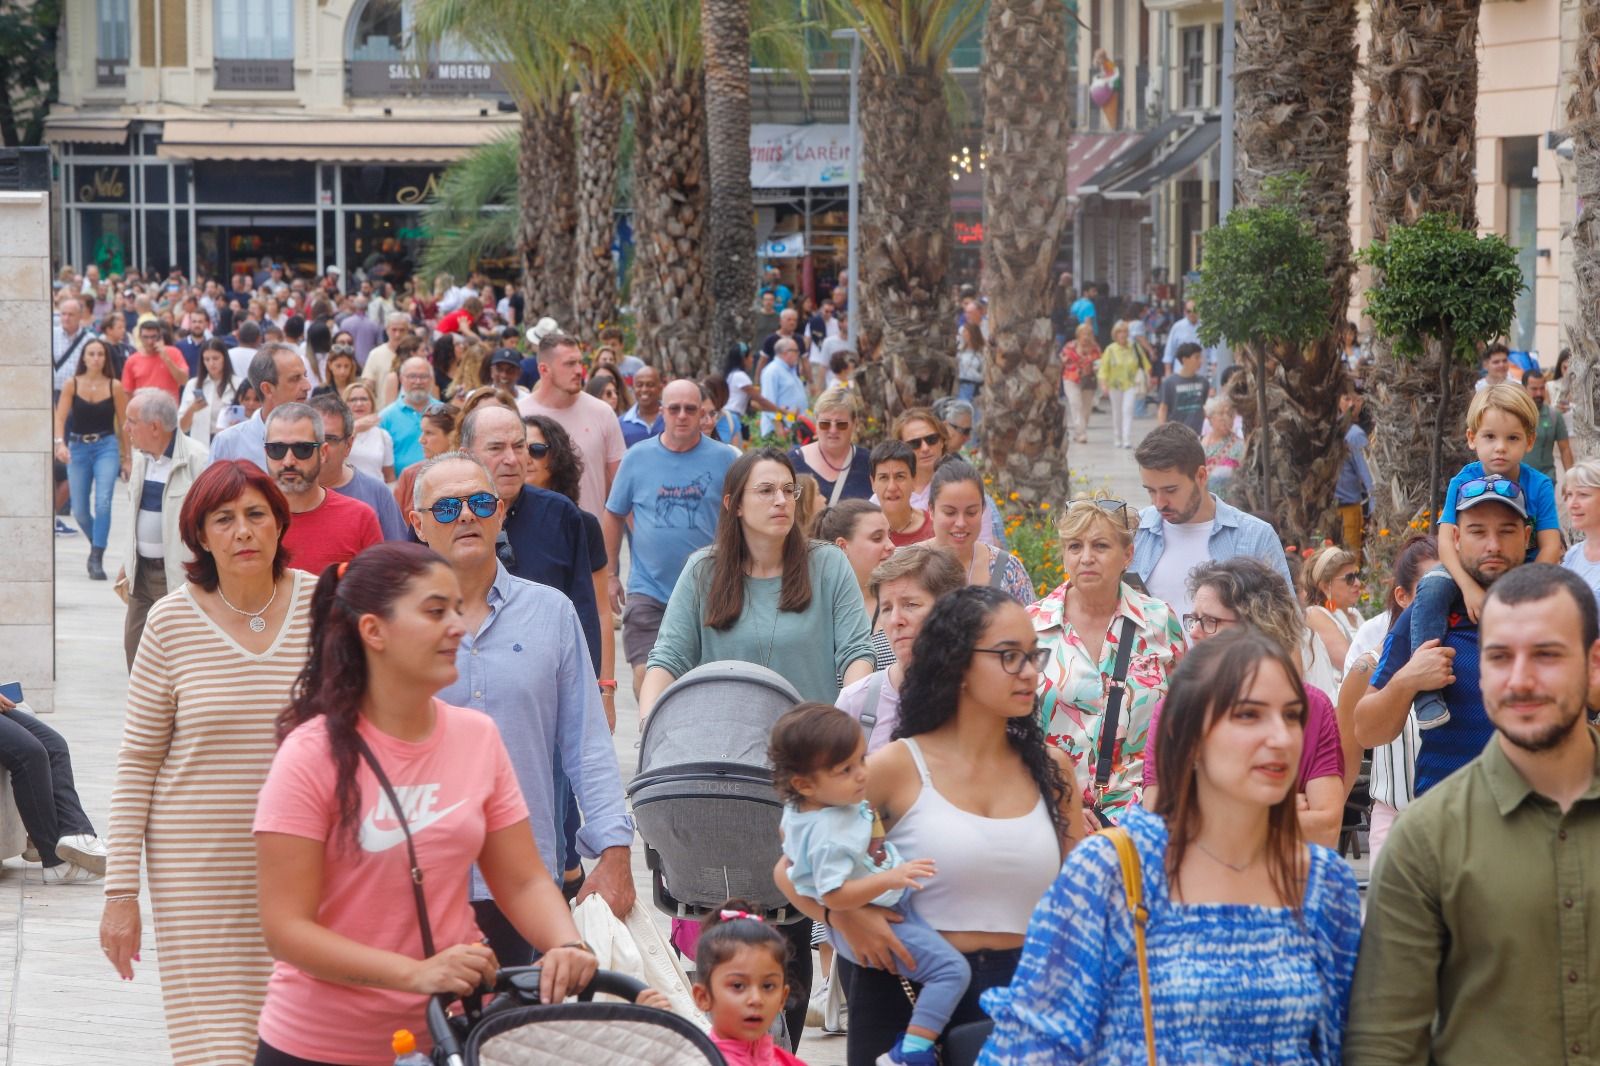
753,1053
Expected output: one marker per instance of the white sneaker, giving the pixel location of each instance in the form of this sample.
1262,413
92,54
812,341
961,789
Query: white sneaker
85,850
817,1008
70,873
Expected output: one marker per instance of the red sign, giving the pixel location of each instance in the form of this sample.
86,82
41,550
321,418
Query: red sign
969,232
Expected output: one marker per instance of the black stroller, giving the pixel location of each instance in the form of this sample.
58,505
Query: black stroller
515,1029
703,795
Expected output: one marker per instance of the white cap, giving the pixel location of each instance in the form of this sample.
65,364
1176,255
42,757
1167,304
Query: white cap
541,329
331,269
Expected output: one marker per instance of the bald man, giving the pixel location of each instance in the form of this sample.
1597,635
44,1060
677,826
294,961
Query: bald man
403,418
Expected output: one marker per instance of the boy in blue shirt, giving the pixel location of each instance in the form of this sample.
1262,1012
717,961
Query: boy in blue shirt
1501,424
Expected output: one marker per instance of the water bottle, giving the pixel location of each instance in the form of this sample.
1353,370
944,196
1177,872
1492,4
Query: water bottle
405,1050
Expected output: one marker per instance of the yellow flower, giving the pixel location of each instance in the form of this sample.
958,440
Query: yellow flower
1014,496
1044,506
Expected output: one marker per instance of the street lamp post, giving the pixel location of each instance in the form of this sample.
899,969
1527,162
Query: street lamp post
853,260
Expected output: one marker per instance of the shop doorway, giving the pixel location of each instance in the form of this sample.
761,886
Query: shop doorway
227,244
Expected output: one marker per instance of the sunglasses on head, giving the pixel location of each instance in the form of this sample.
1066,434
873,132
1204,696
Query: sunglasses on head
1119,508
924,442
1496,484
303,449
447,509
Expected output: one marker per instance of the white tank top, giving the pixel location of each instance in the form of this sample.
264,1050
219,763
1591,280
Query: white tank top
992,871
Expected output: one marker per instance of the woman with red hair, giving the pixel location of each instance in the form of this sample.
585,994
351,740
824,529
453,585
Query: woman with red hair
214,669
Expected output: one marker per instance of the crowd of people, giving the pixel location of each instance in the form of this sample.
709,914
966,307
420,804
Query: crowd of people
381,545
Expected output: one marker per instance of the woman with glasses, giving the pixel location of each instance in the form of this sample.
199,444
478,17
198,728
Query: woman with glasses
607,386
764,593
1249,935
1245,593
956,500
214,668
372,451
1083,624
958,416
841,467
1332,588
969,783
924,433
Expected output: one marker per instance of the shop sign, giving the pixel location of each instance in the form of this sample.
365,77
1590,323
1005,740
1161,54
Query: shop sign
789,246
100,184
273,75
438,78
969,232
783,157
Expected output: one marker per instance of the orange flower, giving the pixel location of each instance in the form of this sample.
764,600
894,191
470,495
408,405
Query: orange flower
1383,532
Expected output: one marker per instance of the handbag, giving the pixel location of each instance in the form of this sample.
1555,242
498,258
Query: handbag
411,851
1108,721
1133,889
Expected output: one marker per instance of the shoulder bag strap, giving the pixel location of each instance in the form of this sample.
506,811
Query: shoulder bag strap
869,709
838,486
997,565
411,851
1108,722
83,334
1133,888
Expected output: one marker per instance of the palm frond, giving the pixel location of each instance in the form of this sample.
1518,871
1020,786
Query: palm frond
474,215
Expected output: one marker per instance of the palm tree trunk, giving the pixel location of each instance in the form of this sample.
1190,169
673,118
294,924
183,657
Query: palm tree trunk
1295,80
670,199
531,208
906,315
594,292
1025,78
1421,117
731,251
558,226
1583,122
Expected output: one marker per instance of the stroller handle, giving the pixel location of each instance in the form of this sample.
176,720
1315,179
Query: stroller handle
522,982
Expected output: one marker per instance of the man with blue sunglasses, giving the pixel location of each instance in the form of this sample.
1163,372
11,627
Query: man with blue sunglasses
524,662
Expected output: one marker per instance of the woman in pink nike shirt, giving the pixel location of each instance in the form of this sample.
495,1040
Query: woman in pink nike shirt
335,877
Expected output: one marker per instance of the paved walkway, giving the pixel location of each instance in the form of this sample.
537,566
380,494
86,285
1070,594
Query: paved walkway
62,1002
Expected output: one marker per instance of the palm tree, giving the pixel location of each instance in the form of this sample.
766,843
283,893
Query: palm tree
905,190
474,215
1583,118
1295,74
731,248
539,80
604,66
1025,82
1421,117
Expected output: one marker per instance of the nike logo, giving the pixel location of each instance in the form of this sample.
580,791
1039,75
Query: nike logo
417,801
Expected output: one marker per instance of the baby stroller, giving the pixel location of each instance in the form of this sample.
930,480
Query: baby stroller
703,796
515,1029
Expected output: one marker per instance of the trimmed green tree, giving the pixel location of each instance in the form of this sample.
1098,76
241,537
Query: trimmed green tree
1439,292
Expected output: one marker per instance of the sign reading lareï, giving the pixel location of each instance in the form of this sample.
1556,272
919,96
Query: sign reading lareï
783,157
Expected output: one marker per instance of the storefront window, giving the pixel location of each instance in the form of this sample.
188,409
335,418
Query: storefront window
255,182
254,45
382,62
105,237
400,186
383,245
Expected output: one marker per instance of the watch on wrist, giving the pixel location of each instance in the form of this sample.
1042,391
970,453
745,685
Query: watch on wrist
581,945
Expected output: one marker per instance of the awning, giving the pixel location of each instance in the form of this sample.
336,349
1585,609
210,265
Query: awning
1089,153
80,129
1128,160
1195,142
404,140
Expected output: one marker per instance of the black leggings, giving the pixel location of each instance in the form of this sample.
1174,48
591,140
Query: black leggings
799,975
880,1011
267,1055
36,756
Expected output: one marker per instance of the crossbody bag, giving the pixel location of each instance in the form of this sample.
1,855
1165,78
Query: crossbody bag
1108,722
1133,891
411,850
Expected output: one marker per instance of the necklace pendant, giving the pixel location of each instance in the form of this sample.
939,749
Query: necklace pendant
258,624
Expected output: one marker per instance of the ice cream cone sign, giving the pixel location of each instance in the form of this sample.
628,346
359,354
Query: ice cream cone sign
1105,88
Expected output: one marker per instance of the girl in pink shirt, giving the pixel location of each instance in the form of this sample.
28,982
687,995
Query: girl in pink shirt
334,874
739,984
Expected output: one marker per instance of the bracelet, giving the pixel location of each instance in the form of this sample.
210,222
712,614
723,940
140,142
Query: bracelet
580,945
608,685
122,898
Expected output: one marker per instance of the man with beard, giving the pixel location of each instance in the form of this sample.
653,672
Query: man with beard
1477,946
1492,538
327,527
403,418
1186,524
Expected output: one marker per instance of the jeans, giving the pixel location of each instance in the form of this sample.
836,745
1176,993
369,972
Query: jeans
1430,620
267,1055
941,971
1122,401
967,390
880,1011
40,766
93,467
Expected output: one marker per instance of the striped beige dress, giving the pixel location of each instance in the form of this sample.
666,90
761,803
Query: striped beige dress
196,745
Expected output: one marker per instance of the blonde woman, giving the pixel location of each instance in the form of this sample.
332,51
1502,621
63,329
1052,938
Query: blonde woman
1332,589
372,452
1079,361
1122,378
841,467
1581,491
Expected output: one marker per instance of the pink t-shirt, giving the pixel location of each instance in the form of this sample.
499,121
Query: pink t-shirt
1320,757
597,435
457,786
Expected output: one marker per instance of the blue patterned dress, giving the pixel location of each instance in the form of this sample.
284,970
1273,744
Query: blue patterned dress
1233,984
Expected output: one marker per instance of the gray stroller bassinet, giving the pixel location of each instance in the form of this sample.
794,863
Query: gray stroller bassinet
703,798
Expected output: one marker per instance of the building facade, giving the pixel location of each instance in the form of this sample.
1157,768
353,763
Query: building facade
207,135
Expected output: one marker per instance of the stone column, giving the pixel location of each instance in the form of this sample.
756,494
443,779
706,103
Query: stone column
27,534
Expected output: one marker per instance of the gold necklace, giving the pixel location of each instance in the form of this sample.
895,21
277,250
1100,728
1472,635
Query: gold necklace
1214,857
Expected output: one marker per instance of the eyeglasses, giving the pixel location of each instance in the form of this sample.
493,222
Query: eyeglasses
538,451
828,425
1011,659
439,407
676,409
924,442
342,349
448,508
772,492
334,439
1494,483
1352,579
1207,624
303,449
965,431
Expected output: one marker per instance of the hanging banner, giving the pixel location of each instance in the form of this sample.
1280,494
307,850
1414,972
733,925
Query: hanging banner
789,246
783,157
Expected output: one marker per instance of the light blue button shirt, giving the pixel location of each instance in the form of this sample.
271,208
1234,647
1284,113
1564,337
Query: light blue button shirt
246,440
781,384
1233,534
527,667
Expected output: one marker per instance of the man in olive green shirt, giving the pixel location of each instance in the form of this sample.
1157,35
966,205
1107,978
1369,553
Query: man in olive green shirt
1477,947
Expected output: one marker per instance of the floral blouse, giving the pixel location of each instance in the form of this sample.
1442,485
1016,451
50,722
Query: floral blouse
1073,688
1076,365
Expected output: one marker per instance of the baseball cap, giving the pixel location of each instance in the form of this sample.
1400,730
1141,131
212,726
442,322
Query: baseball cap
1492,489
505,357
